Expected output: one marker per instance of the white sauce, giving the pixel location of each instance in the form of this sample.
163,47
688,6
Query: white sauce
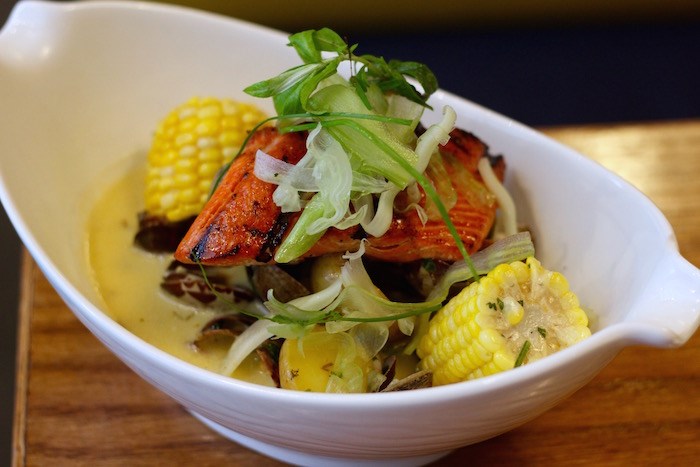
128,280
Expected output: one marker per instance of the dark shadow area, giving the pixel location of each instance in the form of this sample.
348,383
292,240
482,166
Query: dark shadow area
578,75
9,291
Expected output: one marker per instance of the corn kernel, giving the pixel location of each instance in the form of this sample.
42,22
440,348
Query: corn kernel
204,186
503,360
186,152
558,284
187,125
229,137
491,339
229,153
185,165
184,180
208,170
168,200
210,154
165,184
513,311
210,111
206,142
577,316
188,195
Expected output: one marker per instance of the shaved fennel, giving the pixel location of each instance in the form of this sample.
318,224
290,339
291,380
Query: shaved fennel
506,223
248,341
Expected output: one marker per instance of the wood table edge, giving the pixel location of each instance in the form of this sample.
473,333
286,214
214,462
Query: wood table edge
19,427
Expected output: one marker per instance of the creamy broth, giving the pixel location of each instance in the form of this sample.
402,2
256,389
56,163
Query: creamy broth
128,280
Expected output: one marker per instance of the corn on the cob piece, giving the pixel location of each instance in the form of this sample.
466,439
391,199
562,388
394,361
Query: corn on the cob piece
517,313
189,146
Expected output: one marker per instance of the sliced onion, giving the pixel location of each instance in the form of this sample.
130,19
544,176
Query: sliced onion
381,221
434,136
318,300
273,170
333,173
506,223
245,343
370,338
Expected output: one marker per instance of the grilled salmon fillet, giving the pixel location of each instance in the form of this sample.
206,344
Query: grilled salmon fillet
241,225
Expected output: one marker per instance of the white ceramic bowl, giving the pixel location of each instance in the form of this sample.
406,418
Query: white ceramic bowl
82,86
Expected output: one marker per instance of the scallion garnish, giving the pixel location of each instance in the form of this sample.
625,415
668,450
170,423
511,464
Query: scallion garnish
523,354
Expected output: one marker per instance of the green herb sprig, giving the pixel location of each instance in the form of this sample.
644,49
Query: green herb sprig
291,89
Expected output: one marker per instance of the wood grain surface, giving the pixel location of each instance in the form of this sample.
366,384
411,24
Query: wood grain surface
76,404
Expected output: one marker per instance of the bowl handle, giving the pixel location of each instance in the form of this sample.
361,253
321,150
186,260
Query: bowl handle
671,307
31,31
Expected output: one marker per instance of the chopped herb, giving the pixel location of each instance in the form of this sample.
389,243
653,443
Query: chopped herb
492,305
522,302
543,332
292,89
523,353
500,303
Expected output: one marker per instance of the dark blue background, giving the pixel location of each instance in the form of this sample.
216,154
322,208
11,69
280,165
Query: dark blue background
578,75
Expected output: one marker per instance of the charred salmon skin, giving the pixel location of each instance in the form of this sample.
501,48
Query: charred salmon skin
240,224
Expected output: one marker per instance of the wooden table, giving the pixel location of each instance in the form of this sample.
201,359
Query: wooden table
76,404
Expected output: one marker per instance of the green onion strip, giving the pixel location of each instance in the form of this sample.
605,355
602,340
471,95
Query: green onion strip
523,354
